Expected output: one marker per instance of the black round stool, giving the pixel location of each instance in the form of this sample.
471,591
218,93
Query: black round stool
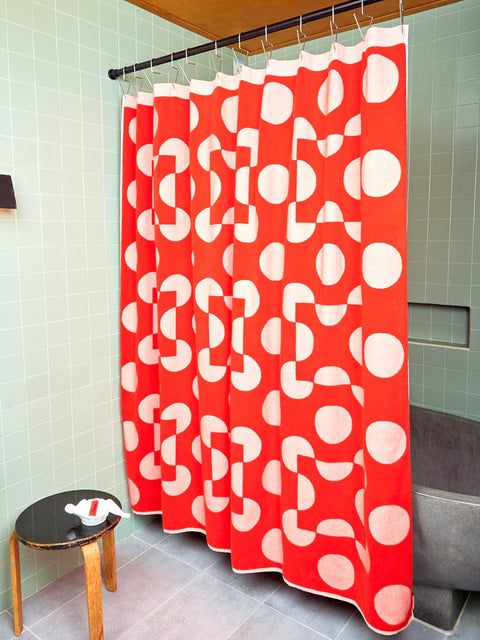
45,525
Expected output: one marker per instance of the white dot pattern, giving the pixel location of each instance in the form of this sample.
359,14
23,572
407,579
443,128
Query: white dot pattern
263,319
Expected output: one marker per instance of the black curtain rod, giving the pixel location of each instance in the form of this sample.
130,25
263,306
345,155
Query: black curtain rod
246,35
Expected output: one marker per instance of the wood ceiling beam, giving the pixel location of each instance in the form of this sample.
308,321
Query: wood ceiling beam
217,19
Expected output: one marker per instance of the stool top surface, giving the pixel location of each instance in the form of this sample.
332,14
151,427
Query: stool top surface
46,525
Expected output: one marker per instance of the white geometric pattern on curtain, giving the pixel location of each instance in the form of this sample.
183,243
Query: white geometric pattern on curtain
263,318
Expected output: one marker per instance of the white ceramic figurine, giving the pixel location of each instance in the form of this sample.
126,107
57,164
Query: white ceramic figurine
95,510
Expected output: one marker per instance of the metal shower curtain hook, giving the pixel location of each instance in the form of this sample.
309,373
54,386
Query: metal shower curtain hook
400,9
184,73
300,32
217,55
268,57
334,24
245,52
139,86
155,73
364,15
195,71
172,66
124,82
147,79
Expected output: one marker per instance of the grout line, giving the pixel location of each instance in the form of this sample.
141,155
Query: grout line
21,307
238,627
345,625
177,591
437,629
67,602
234,588
79,594
125,564
205,570
306,626
472,261
243,593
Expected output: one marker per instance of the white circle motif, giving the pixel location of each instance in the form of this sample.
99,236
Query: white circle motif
277,103
380,78
271,336
330,95
389,524
272,545
393,603
381,173
384,355
381,265
337,571
333,424
130,435
273,183
351,178
144,159
272,261
330,264
131,256
386,441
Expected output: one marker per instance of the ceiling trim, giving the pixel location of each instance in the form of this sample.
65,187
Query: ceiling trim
216,19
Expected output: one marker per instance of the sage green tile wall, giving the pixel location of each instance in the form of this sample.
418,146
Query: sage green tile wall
59,273
444,226
444,199
59,267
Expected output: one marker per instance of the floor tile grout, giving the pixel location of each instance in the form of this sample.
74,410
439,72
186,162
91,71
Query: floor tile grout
53,611
319,633
243,622
150,613
344,626
339,623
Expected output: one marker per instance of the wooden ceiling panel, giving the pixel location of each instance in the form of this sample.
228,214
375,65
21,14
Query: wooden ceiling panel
216,19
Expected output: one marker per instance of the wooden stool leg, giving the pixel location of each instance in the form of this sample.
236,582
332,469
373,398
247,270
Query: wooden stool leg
93,583
109,560
16,584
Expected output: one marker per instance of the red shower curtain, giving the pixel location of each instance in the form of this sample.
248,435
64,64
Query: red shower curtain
263,319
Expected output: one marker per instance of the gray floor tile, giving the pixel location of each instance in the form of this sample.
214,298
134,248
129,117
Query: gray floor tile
257,585
69,621
266,623
152,533
356,629
325,615
72,584
468,626
54,595
190,547
6,629
128,549
172,586
205,609
143,584
6,626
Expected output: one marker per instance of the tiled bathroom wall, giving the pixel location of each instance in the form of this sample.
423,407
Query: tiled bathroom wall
443,204
59,253
59,265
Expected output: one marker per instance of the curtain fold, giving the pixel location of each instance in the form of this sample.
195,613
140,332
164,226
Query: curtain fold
264,318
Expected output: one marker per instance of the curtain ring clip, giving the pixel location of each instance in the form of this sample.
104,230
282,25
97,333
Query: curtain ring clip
268,57
400,10
332,25
364,15
300,32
